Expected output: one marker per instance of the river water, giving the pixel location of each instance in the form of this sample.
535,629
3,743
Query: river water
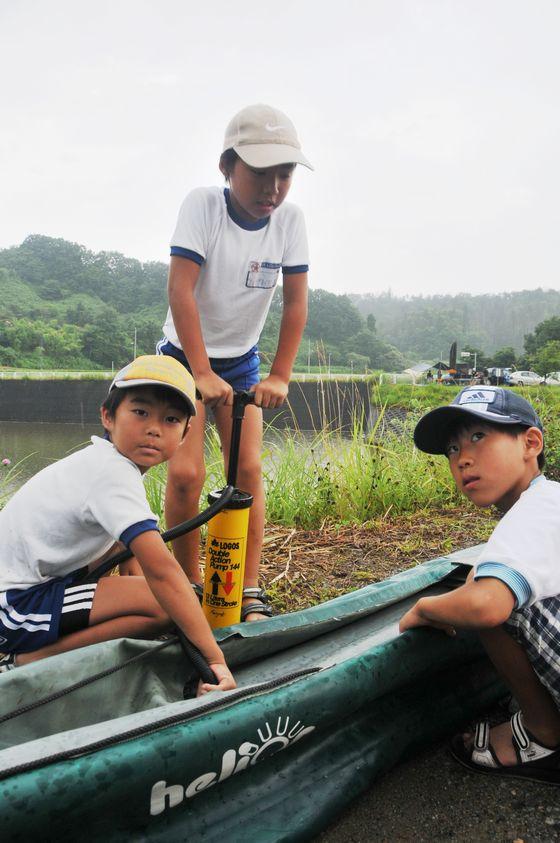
31,446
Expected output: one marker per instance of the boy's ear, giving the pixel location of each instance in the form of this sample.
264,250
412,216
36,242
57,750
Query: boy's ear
187,428
106,419
534,442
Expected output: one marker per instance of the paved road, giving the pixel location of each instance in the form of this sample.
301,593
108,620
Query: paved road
432,798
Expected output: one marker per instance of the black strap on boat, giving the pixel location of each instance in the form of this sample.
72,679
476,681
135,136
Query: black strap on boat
193,653
231,698
56,695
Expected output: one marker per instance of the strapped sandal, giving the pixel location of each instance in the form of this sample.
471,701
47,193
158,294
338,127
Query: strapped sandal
262,607
536,761
7,662
198,590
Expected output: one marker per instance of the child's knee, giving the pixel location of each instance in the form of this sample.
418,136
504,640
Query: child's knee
159,621
187,479
249,471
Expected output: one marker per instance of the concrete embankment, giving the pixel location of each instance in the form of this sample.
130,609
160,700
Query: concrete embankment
311,406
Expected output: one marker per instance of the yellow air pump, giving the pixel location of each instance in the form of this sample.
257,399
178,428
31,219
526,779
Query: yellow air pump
226,542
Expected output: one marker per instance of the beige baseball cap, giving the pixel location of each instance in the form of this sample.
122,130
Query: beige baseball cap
263,136
157,370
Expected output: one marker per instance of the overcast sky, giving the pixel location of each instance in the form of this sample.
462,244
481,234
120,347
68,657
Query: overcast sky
434,127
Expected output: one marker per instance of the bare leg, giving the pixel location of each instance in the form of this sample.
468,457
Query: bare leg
249,479
186,474
123,607
540,713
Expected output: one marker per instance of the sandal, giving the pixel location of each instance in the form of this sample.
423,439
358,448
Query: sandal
262,607
536,761
7,662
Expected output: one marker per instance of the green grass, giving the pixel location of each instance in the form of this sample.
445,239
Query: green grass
335,478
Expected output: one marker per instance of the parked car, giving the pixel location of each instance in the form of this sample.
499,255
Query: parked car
552,379
525,378
497,376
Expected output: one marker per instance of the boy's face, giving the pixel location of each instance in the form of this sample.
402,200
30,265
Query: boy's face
255,194
145,429
492,467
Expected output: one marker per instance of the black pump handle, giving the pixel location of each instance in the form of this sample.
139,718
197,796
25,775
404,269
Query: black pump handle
240,401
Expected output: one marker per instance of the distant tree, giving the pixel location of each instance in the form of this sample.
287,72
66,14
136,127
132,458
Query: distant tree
504,357
547,358
51,289
475,354
381,354
370,322
544,332
331,318
358,362
109,341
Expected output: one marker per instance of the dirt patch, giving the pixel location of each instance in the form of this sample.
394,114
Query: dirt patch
303,567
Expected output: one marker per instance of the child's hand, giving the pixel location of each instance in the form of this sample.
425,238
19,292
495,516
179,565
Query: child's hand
270,392
213,390
225,680
414,618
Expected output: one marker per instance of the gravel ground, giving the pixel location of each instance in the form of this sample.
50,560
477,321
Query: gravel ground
432,798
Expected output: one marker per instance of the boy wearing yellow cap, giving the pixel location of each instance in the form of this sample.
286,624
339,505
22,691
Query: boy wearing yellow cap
66,519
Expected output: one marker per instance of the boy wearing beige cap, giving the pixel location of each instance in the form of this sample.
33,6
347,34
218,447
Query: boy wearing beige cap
65,521
227,252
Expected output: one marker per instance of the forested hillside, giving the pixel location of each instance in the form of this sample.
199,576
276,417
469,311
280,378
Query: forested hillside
63,306
421,326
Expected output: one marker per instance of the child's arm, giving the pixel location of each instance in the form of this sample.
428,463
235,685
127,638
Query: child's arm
130,568
479,604
175,595
273,390
183,275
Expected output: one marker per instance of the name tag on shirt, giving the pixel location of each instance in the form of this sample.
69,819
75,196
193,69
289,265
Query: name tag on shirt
263,274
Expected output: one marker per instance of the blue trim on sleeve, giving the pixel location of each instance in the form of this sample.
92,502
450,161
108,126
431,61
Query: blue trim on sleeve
136,529
515,581
178,251
232,213
295,270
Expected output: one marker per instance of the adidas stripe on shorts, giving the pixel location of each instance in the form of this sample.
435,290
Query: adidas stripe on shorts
34,617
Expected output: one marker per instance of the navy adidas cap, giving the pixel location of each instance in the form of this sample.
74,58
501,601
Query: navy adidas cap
491,403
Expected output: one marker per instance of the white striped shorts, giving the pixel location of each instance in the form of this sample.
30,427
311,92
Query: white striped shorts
33,617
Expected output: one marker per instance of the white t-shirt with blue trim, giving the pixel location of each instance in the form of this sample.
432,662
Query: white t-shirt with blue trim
70,513
524,549
240,263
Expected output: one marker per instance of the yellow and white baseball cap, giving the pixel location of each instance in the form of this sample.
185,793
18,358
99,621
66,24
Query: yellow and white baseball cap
264,136
157,370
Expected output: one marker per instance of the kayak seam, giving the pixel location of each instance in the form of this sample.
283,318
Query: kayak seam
148,729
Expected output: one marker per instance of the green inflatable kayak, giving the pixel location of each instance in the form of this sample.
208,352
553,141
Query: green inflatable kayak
99,744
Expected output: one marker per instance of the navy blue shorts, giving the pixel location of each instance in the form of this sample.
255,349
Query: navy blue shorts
31,618
240,372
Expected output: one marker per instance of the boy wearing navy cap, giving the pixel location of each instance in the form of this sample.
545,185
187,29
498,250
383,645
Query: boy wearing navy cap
493,440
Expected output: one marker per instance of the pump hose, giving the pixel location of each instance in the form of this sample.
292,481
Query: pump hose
192,652
173,533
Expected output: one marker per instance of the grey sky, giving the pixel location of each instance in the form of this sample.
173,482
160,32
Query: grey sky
434,128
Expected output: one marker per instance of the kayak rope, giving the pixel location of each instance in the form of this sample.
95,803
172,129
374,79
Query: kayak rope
56,695
150,728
